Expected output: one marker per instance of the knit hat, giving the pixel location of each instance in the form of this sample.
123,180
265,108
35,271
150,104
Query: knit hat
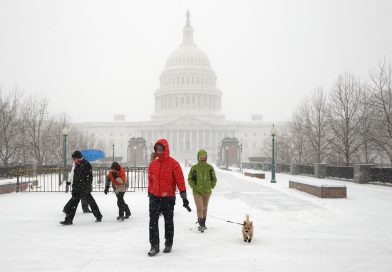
77,155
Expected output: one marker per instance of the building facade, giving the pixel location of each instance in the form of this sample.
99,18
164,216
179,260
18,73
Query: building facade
188,112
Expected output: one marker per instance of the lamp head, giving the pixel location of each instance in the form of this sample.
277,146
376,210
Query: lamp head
65,131
273,130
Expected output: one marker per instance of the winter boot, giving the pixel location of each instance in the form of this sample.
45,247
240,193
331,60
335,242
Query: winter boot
65,223
168,246
204,223
127,214
120,218
153,251
201,225
167,249
98,219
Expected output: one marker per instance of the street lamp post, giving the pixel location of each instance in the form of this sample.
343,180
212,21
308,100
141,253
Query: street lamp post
273,134
227,157
65,134
113,144
134,152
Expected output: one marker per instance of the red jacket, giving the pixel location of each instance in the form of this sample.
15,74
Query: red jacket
164,174
121,175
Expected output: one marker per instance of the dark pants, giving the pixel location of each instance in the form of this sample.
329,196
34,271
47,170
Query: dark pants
166,206
122,206
76,196
67,206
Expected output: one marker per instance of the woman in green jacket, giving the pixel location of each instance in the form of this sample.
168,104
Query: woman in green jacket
202,180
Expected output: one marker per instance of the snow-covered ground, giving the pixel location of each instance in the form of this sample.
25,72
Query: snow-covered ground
294,231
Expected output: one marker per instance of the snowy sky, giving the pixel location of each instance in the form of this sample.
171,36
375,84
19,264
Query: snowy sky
94,58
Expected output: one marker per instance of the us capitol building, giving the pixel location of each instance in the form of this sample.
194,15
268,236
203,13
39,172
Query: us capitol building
188,112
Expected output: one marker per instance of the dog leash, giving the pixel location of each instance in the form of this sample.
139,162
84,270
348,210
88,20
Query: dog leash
228,221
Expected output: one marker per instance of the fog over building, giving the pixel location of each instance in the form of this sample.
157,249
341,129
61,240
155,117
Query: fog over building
188,112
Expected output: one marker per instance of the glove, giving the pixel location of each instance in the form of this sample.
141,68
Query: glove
106,190
68,183
194,176
114,174
185,201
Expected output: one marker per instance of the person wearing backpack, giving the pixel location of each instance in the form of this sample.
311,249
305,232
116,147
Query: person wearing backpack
116,176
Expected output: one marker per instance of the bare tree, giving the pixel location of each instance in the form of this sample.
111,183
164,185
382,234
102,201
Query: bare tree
38,128
381,89
297,136
79,140
283,149
56,151
368,151
344,115
316,125
10,144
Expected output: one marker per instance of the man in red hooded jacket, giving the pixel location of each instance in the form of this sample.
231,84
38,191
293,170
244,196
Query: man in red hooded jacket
164,175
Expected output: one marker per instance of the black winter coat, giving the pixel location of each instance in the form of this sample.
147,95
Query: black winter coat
83,177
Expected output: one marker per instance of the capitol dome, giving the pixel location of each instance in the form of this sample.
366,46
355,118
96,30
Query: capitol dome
188,83
188,55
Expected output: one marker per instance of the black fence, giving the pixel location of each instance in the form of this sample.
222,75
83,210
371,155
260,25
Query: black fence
344,172
53,179
305,169
382,175
283,168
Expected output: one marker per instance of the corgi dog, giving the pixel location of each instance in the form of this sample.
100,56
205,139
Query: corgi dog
247,230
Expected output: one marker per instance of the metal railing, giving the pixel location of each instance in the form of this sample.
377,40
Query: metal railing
52,179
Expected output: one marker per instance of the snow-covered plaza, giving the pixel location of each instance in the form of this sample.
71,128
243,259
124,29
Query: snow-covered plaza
294,231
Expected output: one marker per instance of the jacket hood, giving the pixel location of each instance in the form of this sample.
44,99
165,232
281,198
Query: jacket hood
201,152
166,152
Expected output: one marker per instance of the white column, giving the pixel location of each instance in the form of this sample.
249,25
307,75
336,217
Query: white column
211,142
197,139
183,140
174,144
178,140
202,139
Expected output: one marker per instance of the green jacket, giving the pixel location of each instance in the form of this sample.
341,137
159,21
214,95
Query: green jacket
202,176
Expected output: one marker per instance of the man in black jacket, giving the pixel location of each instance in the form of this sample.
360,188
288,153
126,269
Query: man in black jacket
67,206
81,188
